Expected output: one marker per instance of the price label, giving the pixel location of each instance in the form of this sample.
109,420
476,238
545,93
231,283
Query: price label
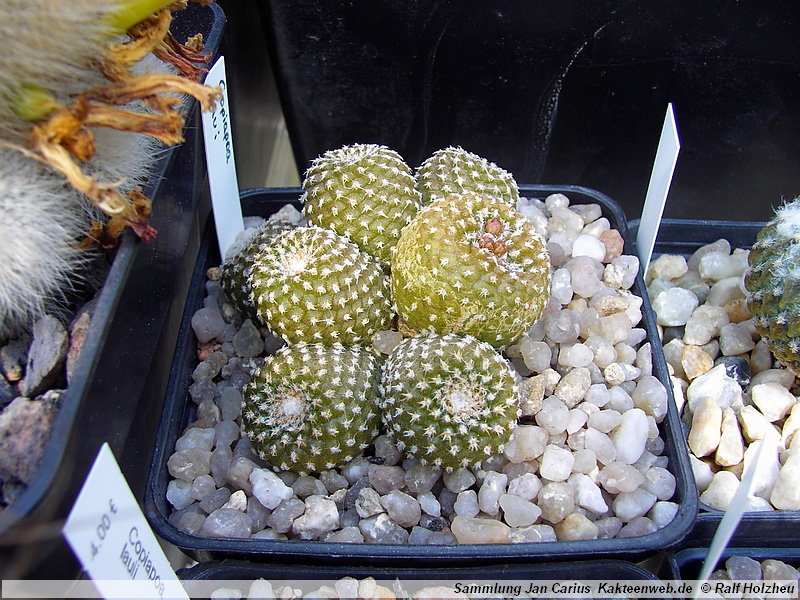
112,539
222,181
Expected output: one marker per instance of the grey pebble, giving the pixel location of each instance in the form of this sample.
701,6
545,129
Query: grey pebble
45,356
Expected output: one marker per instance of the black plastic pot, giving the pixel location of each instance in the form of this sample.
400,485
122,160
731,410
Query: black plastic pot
677,236
120,376
179,411
198,579
687,563
556,91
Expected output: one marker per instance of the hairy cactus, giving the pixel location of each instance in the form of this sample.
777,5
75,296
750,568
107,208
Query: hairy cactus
773,285
448,400
470,264
363,192
453,170
312,407
40,221
312,285
235,270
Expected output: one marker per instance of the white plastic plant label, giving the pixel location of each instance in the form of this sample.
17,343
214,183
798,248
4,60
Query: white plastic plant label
112,539
669,146
222,179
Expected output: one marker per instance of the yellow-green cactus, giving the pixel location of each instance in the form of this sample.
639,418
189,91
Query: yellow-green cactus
312,285
471,264
364,192
453,170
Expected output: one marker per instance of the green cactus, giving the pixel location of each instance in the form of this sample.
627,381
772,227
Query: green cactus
453,170
470,264
312,407
773,285
448,400
363,192
235,270
312,285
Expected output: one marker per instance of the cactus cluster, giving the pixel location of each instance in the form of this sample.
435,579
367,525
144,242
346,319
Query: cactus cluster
449,400
364,192
312,407
773,285
466,274
453,170
470,264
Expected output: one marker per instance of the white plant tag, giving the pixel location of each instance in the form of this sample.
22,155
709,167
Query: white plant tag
738,506
222,180
660,179
112,539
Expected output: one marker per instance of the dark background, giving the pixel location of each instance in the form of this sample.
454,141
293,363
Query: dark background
555,91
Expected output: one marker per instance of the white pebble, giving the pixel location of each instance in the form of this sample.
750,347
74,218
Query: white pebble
268,488
631,436
674,306
556,463
494,486
466,504
518,512
589,245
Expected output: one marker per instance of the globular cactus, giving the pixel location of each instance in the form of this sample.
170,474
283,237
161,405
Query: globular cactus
312,285
453,170
448,400
364,192
470,264
312,407
773,285
235,270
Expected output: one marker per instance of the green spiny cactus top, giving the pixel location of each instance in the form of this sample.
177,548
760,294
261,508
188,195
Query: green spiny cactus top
773,285
364,192
448,400
312,285
470,264
312,407
235,270
453,170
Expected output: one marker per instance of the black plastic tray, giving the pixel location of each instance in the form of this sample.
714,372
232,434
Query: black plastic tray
245,572
687,563
120,376
178,411
677,236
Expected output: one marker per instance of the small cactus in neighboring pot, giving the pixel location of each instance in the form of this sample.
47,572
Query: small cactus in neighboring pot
453,170
448,400
470,264
312,285
312,407
235,270
363,192
773,285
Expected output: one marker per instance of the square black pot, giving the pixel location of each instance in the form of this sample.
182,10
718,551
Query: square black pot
680,236
179,411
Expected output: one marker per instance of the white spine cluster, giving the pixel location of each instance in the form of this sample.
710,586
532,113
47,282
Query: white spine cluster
454,170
